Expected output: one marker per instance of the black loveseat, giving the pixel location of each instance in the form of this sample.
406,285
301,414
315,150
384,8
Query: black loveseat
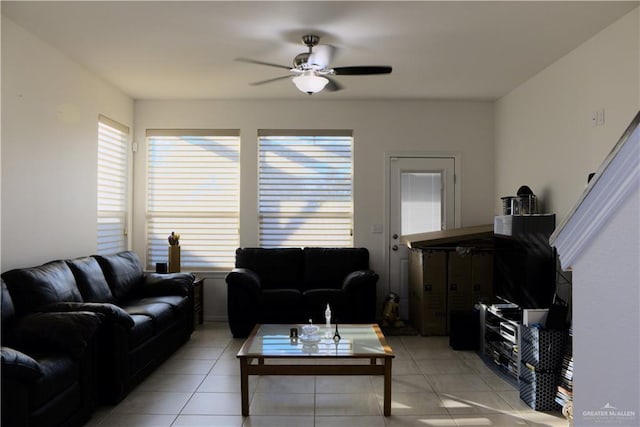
293,285
146,316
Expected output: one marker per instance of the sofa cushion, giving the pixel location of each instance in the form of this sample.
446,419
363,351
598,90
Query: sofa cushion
123,272
278,268
90,279
141,331
160,313
35,287
328,267
176,303
316,300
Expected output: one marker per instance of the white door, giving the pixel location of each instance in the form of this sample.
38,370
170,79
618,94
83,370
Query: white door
421,199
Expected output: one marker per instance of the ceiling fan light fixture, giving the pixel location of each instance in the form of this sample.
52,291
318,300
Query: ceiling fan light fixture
310,82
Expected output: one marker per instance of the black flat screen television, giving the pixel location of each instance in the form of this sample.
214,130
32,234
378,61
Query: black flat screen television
524,262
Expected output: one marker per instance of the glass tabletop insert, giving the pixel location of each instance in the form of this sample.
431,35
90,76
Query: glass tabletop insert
355,340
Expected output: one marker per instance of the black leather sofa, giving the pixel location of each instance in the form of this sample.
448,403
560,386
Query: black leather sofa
48,366
146,316
293,285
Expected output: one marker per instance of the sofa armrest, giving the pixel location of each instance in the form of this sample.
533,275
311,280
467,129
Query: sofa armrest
360,289
358,279
18,366
246,279
243,300
156,284
111,312
69,332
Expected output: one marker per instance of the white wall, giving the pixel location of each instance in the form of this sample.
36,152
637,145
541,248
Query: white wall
379,127
544,137
606,279
50,108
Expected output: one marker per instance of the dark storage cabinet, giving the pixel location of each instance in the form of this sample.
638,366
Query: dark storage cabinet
524,261
463,330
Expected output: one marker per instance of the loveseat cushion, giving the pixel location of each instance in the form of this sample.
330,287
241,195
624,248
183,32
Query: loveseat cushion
35,287
278,268
328,267
90,279
281,305
316,300
123,272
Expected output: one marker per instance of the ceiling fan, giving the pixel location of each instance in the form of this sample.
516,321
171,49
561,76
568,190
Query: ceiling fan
311,72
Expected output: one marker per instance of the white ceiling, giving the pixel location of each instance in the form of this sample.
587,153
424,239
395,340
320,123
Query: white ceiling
441,50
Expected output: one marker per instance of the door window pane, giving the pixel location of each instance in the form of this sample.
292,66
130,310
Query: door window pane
420,202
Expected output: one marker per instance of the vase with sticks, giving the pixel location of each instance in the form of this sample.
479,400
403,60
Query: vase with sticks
174,253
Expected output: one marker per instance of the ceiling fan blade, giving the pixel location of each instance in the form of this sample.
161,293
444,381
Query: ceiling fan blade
268,64
362,70
332,86
268,80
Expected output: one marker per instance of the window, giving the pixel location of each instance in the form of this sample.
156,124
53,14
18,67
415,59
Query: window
193,187
305,188
112,186
421,202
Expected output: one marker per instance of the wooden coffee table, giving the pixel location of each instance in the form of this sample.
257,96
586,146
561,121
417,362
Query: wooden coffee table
358,343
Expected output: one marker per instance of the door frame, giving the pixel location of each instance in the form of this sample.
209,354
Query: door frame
386,239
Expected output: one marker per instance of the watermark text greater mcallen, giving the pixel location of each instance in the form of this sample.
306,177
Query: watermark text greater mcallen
610,414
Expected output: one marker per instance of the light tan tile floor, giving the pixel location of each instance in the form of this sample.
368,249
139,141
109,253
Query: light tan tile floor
433,386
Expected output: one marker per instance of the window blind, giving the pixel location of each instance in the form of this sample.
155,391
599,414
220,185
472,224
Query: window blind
305,190
193,187
112,186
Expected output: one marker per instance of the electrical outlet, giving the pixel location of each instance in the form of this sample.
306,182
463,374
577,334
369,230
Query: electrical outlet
597,117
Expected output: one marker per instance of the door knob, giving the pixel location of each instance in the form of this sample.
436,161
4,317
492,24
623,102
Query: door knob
395,236
394,247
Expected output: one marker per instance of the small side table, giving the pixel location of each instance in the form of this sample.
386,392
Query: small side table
198,300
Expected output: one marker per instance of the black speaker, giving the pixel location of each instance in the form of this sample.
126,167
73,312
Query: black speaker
161,267
464,330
